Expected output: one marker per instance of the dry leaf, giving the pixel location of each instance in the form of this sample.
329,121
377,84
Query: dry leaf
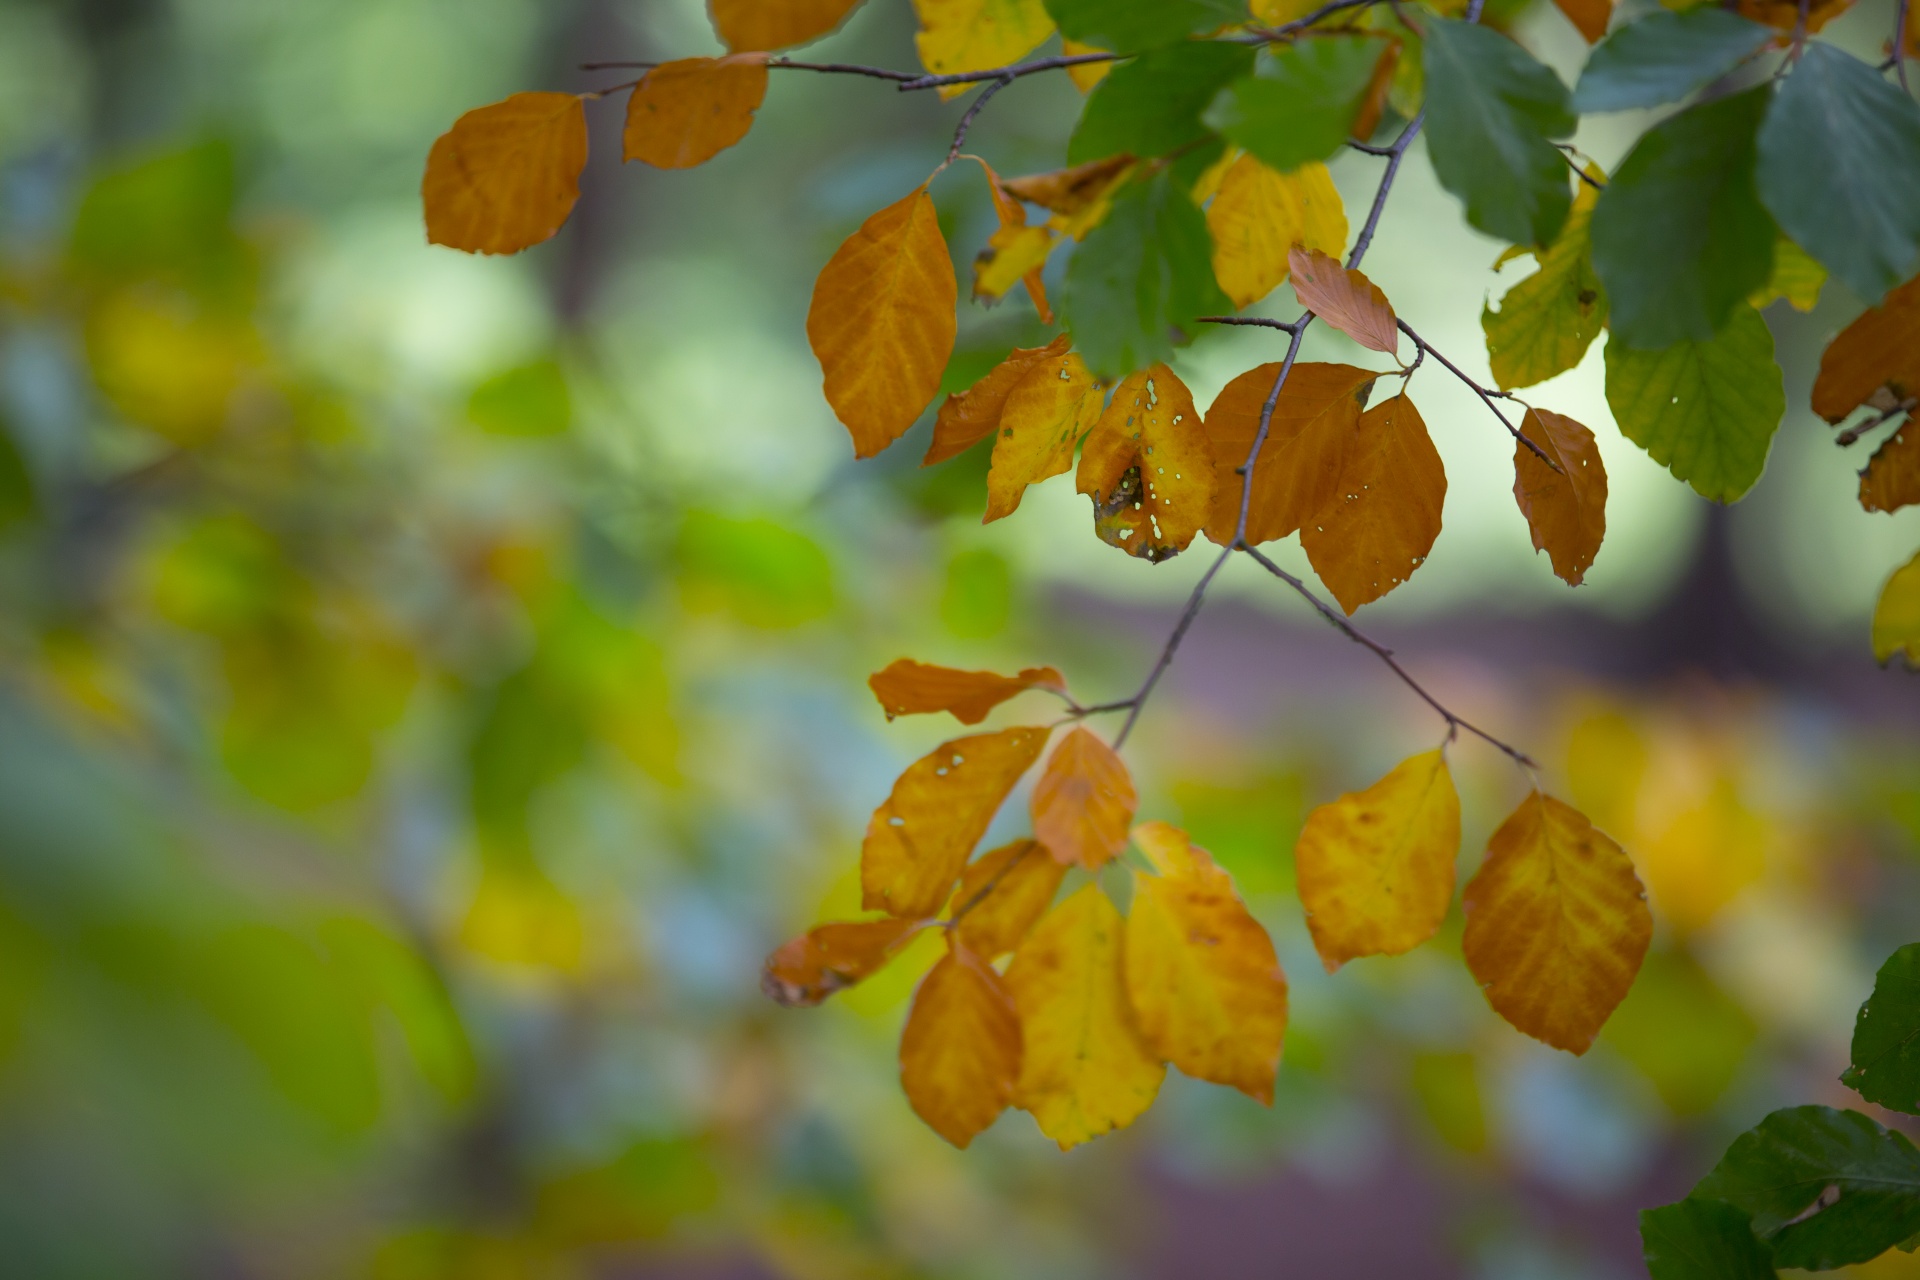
1054,404
1589,17
1891,479
905,687
506,175
1258,215
685,113
775,24
1880,351
960,1051
832,957
970,417
1147,467
1014,252
1345,299
1002,894
1078,197
1383,522
1315,422
1083,802
975,35
1565,510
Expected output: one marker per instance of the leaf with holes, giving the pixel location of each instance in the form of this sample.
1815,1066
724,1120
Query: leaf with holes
1891,479
905,687
973,415
506,175
1386,513
1877,357
1147,467
1083,802
1315,421
1566,510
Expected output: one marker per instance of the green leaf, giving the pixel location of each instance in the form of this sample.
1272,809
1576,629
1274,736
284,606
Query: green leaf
18,502
1886,1036
1840,169
1490,112
1301,102
1547,321
1824,1188
1152,105
1706,411
529,400
1702,1240
1664,57
1132,25
1680,236
1140,276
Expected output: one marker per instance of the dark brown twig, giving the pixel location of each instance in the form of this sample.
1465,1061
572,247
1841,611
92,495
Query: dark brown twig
1853,433
1262,322
966,121
1487,394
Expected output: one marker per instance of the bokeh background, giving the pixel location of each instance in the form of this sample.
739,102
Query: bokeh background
429,685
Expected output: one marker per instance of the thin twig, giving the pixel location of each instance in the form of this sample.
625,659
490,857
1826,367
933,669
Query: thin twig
1013,71
1880,419
1487,394
1262,322
1187,615
966,121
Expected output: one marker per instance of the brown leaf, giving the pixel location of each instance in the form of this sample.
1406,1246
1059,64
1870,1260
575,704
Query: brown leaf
1879,351
1083,802
882,322
960,1051
775,24
1783,15
831,957
506,175
1589,17
1070,191
1315,422
906,688
1891,479
1344,298
684,113
1003,893
1055,403
1383,522
1146,466
970,417
1566,511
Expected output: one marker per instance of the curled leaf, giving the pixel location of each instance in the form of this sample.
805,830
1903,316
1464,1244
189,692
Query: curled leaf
1147,467
506,175
1055,404
905,687
832,957
1878,354
971,416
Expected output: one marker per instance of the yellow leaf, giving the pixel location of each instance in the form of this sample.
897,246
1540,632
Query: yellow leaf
1383,522
974,35
1896,617
882,322
1055,403
1557,924
1314,425
168,362
1797,276
1207,185
745,25
1204,982
1272,13
1084,1070
1002,894
1012,254
1079,198
1566,511
684,113
960,1051
1146,465
1344,298
1085,75
1547,321
906,688
506,175
970,417
1083,802
1259,215
520,917
921,837
832,957
1375,867
1704,856
1876,358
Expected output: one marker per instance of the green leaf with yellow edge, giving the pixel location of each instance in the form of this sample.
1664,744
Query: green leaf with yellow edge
1547,321
1896,617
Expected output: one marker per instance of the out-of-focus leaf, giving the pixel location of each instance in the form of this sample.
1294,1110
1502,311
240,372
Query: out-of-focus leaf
1083,802
759,571
1133,25
168,361
906,687
640,1194
1589,17
1702,1240
1547,321
1003,893
832,957
1345,299
1878,353
388,975
685,113
528,400
1796,276
1387,515
1153,104
1685,1035
1308,441
1146,466
971,416
1258,215
1300,104
960,1051
977,599
1447,1088
1566,510
974,35
168,217
519,917
1886,1036
18,502
749,25
1054,405
1665,56
506,175
1896,616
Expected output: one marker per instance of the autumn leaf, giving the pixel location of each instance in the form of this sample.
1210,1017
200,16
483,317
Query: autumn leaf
905,687
1373,102
1258,215
974,35
1589,17
1557,924
506,175
1386,515
1782,15
745,25
1298,473
960,1050
882,322
832,957
1375,867
1014,253
1055,403
920,838
971,416
1079,198
1085,75
684,113
1083,802
1896,617
1146,466
1878,352
1547,321
1084,1070
1566,510
1002,894
1202,977
1345,299
1891,479
1796,276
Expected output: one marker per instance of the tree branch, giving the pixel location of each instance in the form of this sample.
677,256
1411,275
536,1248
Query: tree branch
1486,394
966,121
1160,665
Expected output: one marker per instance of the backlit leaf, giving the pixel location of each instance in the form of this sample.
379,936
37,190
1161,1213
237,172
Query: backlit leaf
1084,1070
921,837
882,322
1083,802
684,113
1886,1036
1665,56
973,35
960,1050
1566,511
1258,215
1298,474
906,687
1892,477
831,957
1016,252
1148,468
506,175
1702,1240
1152,105
1055,404
1345,299
1302,100
1896,617
1375,867
973,415
1070,191
1796,276
1879,351
775,24
1547,321
1134,25
1386,515
1589,17
1557,924
1003,893
1202,977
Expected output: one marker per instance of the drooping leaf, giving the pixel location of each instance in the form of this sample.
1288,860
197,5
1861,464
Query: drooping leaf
882,322
1886,1036
1070,191
1840,168
1383,522
1680,236
921,837
973,415
1702,1240
1896,617
1003,894
1300,104
1148,468
1566,510
1152,105
1052,407
1665,56
1891,479
832,957
1258,215
974,35
1490,112
1706,411
1557,924
1016,253
1085,1070
506,175
685,113
1345,299
1547,321
960,1050
1202,977
1375,867
1878,353
1796,276
1589,17
1314,424
1824,1188
905,687
1135,25
746,25
1083,802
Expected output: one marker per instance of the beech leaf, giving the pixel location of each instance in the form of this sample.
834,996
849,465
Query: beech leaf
684,113
971,416
1302,101
1055,404
746,25
1886,1036
973,35
1566,510
960,1050
1702,1240
1589,17
1345,299
1879,351
1152,105
1665,56
1891,479
1147,467
1083,802
1297,477
1003,893
1547,321
1386,513
506,175
905,687
832,957
1896,617
1014,253
1258,215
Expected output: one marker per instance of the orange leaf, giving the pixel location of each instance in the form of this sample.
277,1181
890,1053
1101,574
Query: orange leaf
906,688
1055,403
1877,353
1557,924
970,417
831,957
775,24
1202,977
1373,103
920,838
1891,479
960,1051
1002,894
1083,802
1314,425
1782,15
1146,467
1016,250
1070,191
1567,511
685,113
506,175
882,322
1344,298
1387,515
1589,17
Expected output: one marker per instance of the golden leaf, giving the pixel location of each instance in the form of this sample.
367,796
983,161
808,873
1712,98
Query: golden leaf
1344,298
506,175
684,113
1014,252
1079,198
1891,479
1566,511
1383,522
960,1051
745,25
1146,466
1258,215
832,957
1298,474
1896,617
970,417
1085,75
1879,351
975,35
1002,894
906,688
1054,404
1589,17
1083,802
